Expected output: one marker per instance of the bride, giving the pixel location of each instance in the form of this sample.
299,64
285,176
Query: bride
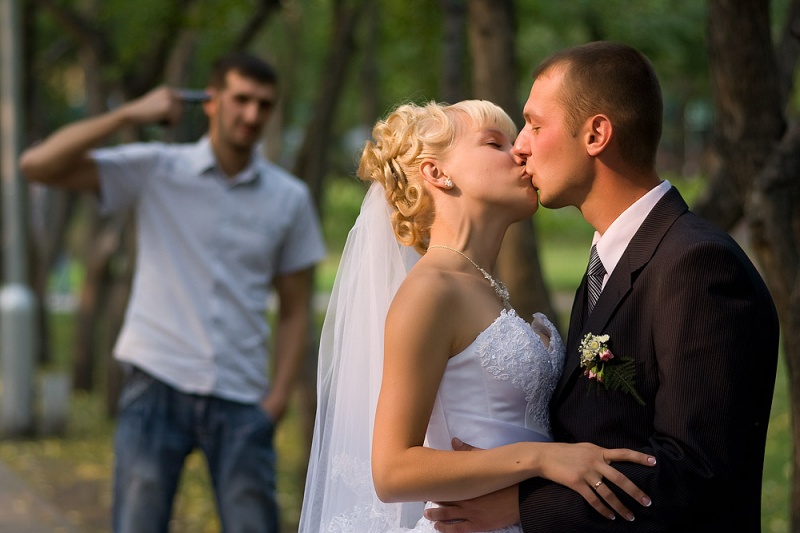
420,343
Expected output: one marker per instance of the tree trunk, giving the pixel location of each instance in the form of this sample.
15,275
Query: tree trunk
788,50
51,212
119,291
758,174
492,35
749,118
370,75
312,159
93,299
91,292
773,218
454,50
311,166
258,17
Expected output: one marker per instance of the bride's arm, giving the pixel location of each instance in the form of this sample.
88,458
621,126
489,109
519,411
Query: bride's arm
419,339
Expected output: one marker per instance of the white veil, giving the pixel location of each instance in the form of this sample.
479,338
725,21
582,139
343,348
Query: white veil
339,493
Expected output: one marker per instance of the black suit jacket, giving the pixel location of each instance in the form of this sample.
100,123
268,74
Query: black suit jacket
688,306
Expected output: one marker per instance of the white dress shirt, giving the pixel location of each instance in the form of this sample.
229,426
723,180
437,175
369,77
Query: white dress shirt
613,243
208,249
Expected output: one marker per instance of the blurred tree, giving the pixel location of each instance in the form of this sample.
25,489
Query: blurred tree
312,167
312,161
454,54
757,178
492,38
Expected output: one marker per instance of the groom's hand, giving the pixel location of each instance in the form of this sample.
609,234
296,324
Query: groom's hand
460,446
486,513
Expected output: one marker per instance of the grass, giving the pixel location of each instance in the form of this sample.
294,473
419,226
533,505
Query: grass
74,472
775,492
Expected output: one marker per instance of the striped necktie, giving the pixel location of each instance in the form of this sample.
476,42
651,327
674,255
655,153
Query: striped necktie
594,278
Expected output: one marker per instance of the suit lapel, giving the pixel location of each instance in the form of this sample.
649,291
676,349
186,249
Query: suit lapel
638,253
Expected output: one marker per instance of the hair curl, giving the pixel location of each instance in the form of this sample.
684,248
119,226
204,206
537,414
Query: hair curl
410,134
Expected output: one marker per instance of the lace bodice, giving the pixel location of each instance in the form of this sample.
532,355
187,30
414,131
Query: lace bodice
498,389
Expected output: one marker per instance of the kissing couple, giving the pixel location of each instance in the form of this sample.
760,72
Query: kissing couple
652,416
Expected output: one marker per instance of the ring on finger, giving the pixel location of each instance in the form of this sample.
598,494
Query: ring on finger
597,485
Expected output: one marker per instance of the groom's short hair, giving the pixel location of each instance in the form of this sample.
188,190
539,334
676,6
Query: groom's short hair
614,79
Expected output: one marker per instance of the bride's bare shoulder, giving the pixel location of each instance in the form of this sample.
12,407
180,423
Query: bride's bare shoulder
429,283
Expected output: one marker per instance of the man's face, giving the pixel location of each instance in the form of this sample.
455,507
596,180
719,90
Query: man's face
238,112
554,157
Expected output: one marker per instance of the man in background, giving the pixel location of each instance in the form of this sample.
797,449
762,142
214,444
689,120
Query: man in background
218,226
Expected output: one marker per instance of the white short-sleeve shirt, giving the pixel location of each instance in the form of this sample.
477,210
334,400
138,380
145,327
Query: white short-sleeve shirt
208,248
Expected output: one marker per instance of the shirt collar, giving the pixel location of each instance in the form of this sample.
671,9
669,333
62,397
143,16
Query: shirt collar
613,243
204,161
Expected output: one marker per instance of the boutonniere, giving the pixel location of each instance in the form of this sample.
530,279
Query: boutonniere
614,373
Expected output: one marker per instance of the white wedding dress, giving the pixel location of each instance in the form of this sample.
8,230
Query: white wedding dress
495,392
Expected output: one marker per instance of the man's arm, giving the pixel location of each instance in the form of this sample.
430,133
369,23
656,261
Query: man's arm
63,158
294,293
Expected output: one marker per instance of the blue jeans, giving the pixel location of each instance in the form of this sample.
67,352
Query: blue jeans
159,426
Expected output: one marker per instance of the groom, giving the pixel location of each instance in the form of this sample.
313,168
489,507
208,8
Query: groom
685,312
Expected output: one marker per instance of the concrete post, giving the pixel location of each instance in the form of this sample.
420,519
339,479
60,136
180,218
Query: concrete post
17,302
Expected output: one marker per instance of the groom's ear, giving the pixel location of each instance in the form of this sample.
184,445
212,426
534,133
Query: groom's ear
598,135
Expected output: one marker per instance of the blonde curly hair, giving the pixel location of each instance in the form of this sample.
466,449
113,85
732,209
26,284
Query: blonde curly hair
410,134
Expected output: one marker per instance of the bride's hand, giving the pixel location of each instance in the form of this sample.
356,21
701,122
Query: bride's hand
585,468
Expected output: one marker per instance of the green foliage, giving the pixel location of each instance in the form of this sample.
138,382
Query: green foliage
670,32
340,207
410,51
296,40
775,493
407,49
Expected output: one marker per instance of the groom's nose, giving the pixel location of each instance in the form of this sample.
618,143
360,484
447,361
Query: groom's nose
520,149
519,152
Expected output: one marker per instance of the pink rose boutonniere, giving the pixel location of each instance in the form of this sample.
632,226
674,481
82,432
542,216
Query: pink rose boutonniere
615,373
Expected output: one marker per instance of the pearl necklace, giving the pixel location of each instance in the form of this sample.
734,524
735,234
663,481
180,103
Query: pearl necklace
498,286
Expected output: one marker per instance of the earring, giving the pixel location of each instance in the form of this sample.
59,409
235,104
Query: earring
448,183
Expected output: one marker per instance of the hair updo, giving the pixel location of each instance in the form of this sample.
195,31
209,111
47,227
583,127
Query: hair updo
410,134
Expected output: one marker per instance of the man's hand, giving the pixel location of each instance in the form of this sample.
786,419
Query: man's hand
485,513
162,105
275,406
